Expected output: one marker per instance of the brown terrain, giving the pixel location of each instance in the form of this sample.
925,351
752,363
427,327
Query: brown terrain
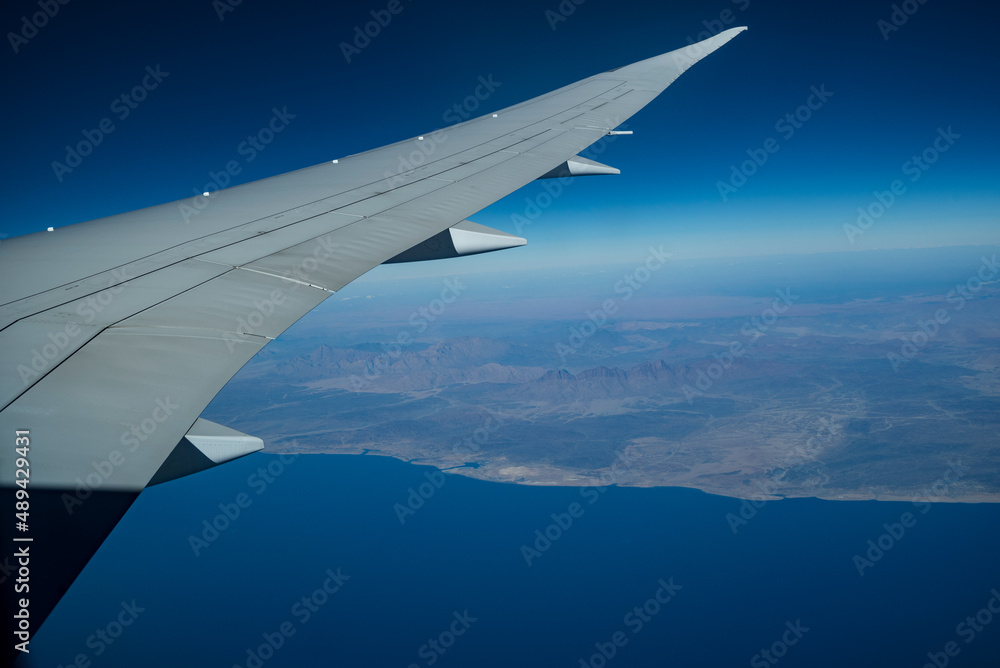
810,405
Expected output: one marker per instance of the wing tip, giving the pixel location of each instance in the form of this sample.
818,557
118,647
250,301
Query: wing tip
727,35
699,50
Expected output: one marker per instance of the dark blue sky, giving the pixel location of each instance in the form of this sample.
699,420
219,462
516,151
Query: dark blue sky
890,97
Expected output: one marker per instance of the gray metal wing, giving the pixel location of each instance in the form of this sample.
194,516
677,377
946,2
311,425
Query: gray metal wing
115,334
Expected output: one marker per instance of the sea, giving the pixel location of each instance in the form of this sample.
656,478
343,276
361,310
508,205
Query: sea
363,560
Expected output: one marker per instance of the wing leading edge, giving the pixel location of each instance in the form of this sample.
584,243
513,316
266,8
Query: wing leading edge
109,356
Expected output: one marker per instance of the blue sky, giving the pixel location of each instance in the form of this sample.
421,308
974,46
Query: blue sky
890,97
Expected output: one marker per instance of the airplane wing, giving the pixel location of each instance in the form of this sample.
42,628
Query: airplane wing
116,333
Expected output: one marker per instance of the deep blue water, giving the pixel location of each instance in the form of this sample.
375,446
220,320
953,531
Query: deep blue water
460,554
